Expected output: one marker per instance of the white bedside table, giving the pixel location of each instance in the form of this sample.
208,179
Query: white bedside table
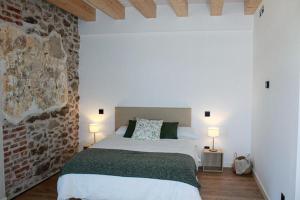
212,161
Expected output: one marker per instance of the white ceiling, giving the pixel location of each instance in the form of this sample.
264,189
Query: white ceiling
126,3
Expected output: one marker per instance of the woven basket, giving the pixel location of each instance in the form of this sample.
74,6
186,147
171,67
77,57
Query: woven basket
248,170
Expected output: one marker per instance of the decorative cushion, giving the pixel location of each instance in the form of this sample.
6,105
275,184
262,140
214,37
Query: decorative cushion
169,130
130,129
147,129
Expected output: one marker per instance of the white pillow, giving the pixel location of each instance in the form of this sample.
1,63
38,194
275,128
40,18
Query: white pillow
187,133
121,131
147,129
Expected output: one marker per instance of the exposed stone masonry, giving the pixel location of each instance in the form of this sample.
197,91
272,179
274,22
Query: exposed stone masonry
40,144
34,75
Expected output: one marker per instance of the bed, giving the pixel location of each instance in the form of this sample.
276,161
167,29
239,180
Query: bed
126,169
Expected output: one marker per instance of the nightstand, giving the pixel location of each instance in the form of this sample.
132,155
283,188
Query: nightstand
212,161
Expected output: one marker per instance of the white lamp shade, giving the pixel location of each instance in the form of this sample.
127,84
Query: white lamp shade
93,128
213,132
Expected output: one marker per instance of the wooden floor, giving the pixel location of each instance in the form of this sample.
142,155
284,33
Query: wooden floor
44,191
228,186
215,186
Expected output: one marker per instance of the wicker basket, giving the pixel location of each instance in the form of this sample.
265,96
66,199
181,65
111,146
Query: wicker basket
248,170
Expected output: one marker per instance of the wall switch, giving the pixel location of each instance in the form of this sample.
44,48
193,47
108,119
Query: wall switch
101,111
207,114
267,84
282,196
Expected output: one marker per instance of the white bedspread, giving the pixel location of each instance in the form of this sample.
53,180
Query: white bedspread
104,187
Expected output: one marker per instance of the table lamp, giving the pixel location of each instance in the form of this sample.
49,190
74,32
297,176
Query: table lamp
94,128
213,132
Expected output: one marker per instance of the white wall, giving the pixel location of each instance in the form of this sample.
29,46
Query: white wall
275,111
206,65
297,192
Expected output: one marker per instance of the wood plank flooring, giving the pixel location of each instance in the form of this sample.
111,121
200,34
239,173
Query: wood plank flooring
215,186
228,186
44,191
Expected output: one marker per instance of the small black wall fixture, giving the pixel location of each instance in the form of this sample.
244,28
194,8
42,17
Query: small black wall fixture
267,84
207,114
261,11
282,196
101,111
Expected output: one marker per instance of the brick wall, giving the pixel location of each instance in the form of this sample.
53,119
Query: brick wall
38,146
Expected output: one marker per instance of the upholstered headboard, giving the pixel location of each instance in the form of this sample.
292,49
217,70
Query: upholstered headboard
181,115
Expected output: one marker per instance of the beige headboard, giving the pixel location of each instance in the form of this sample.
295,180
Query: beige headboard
181,115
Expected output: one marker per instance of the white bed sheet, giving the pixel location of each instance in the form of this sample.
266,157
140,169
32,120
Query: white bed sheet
104,187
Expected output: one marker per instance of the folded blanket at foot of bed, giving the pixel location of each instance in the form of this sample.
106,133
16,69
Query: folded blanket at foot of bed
164,166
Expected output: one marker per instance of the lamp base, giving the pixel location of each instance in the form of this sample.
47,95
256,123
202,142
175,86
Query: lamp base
213,150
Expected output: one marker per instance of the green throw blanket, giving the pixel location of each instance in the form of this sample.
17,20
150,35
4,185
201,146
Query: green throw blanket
114,162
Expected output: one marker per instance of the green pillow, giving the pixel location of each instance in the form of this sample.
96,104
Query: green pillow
169,130
130,129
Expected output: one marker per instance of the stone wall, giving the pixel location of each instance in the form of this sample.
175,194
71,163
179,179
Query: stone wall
37,145
34,71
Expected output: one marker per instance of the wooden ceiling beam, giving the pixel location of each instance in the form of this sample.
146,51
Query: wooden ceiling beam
112,8
251,6
77,7
216,7
146,7
180,7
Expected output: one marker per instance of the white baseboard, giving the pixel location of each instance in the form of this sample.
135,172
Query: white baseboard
225,164
260,186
